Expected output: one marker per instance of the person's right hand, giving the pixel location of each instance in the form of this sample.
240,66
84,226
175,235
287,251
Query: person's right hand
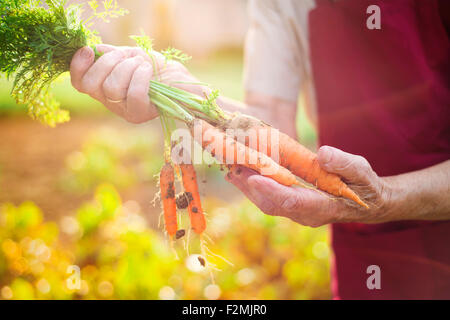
120,79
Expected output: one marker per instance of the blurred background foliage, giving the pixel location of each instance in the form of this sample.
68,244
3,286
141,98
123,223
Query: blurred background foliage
81,194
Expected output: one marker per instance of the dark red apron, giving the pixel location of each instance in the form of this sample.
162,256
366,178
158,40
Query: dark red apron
385,94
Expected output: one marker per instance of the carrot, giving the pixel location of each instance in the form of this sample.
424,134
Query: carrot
240,153
292,155
167,186
196,216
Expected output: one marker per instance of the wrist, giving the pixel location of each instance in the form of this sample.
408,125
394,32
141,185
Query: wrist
393,200
384,206
281,118
278,113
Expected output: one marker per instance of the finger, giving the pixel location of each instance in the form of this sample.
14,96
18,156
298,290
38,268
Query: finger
304,206
105,48
238,176
129,52
353,168
139,108
241,172
156,57
301,205
240,180
92,81
81,62
285,199
116,85
136,51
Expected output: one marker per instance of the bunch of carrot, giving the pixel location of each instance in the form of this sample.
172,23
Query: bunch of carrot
190,199
38,45
296,160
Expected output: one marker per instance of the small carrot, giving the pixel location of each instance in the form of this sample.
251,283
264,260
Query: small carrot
167,187
196,216
210,139
292,155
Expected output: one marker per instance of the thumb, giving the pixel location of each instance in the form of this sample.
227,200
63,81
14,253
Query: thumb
353,168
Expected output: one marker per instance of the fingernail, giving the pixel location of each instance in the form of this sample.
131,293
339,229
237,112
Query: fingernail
85,53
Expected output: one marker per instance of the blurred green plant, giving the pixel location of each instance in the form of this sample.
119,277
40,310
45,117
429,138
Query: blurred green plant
121,258
121,158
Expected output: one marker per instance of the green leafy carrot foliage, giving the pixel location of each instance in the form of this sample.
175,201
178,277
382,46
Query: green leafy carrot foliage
37,42
175,54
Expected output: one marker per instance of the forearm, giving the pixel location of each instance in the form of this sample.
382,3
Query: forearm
278,113
420,195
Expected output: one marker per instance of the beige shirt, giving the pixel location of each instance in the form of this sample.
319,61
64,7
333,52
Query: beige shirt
277,51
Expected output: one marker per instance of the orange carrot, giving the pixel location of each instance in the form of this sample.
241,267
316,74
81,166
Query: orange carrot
263,164
299,160
196,216
167,186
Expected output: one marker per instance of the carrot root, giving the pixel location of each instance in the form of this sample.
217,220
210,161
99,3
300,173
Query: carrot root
196,216
235,152
295,157
167,189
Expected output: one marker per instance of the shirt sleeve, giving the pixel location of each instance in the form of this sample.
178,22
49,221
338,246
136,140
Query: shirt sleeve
272,65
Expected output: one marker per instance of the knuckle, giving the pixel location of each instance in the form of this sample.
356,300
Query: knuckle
321,151
345,165
108,85
137,93
111,88
137,60
145,70
87,86
364,166
140,52
112,58
110,63
134,118
361,161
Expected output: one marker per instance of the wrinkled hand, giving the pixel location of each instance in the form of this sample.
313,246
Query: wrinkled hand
311,208
120,79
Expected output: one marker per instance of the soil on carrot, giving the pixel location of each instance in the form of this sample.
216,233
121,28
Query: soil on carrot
180,234
33,157
182,200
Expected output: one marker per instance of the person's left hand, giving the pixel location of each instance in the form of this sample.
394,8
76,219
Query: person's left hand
312,208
